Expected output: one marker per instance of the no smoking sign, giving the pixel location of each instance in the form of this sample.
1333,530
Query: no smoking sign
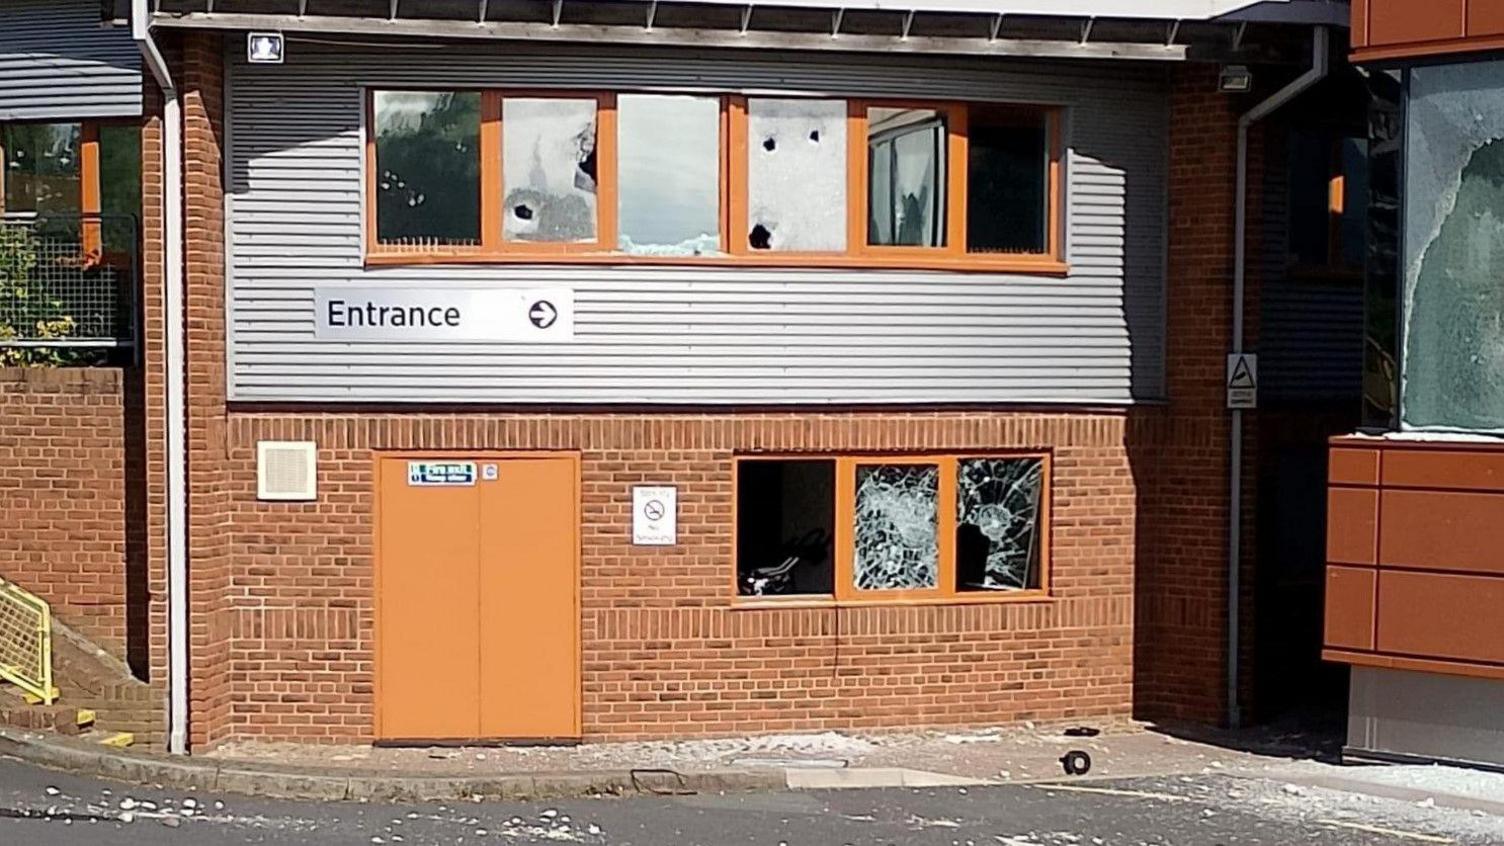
654,516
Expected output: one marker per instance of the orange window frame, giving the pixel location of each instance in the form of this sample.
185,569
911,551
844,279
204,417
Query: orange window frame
844,537
734,185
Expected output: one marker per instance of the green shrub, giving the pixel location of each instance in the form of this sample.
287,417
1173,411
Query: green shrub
26,310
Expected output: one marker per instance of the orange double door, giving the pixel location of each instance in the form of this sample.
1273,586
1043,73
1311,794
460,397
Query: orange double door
477,598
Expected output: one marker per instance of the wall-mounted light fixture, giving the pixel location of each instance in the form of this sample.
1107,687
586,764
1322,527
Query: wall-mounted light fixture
264,48
1235,79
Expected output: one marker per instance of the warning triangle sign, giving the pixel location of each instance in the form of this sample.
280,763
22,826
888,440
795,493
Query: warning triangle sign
1242,375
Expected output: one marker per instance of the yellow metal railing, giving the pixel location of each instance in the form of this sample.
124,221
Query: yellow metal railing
26,642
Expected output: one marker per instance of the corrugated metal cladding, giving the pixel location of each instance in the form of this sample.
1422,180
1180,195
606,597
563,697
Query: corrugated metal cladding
58,61
1310,328
698,335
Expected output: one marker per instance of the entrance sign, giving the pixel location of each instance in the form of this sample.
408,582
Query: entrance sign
655,516
489,313
440,473
1242,380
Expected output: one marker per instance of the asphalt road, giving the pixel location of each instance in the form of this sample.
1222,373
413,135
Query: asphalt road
41,808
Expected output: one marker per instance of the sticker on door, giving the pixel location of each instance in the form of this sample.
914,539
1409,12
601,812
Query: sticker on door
440,473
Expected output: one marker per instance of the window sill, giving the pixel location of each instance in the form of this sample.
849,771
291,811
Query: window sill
1036,265
752,603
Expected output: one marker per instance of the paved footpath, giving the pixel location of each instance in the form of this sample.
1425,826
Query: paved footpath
39,808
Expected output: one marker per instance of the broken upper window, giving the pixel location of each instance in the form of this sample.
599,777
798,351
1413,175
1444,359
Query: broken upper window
1008,180
906,164
669,174
1453,304
427,168
796,175
663,177
549,169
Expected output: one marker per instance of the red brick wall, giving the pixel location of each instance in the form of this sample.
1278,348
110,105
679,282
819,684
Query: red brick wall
1181,593
204,269
63,494
664,650
282,604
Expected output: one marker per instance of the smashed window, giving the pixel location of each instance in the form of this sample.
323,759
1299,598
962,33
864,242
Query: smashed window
669,174
1007,180
906,156
42,167
998,502
548,169
427,179
785,524
897,526
796,175
1454,247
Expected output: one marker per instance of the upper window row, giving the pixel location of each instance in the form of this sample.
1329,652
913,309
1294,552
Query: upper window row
487,176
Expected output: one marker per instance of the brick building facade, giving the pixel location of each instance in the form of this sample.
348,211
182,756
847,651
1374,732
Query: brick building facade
282,595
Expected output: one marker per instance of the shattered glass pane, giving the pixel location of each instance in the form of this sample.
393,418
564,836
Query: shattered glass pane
427,168
906,151
1454,246
548,169
796,175
897,526
997,523
669,174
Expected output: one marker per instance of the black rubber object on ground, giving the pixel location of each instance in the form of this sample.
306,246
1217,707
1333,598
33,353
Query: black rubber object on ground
1076,762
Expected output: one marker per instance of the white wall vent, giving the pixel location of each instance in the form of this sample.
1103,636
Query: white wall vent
287,471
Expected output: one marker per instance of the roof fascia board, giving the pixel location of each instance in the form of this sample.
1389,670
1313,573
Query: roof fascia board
673,36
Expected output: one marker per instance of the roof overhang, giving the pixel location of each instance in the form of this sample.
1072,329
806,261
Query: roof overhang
1071,29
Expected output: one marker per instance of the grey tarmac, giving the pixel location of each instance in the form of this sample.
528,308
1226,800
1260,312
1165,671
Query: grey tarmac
41,808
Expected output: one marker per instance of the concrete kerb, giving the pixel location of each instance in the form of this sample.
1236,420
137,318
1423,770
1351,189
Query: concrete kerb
331,785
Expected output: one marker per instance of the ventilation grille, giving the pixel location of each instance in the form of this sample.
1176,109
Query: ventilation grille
286,471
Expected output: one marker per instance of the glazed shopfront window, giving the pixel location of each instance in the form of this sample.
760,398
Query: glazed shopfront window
1452,301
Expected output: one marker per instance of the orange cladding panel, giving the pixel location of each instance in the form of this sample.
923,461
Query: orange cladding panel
1352,516
1485,17
427,610
1410,21
1440,615
530,618
1351,593
1443,530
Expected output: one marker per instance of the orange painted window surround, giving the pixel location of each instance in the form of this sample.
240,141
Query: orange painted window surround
493,248
945,591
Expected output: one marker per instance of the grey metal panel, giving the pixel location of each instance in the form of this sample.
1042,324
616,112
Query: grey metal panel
1426,715
58,61
697,334
1311,340
1310,328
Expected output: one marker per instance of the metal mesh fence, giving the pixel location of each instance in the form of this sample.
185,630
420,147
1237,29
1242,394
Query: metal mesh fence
25,641
68,280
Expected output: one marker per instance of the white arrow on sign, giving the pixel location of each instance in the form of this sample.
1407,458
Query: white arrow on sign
543,314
